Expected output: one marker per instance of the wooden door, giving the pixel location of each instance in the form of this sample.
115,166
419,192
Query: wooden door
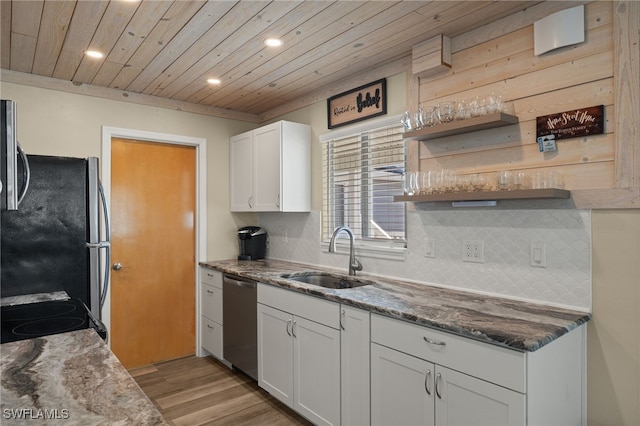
153,187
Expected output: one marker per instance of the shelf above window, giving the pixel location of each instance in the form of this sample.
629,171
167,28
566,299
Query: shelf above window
472,124
523,194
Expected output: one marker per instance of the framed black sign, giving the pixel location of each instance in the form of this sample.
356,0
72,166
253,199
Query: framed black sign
358,104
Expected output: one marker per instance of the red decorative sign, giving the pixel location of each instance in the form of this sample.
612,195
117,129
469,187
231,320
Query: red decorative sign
572,124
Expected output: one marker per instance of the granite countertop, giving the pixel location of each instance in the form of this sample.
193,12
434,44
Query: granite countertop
33,298
513,324
70,378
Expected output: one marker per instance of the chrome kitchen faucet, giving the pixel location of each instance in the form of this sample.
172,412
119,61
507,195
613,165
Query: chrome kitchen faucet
354,264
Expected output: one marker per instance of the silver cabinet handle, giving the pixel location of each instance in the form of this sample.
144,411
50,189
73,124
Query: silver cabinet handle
289,325
117,266
426,382
250,200
210,326
278,201
342,318
209,291
434,342
438,380
293,329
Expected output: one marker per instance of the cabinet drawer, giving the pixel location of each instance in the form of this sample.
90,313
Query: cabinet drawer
211,277
302,305
211,302
488,362
211,337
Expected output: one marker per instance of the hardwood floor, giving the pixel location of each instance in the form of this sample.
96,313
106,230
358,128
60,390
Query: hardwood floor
202,391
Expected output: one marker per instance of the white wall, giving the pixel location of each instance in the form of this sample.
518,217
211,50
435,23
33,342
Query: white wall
64,124
506,233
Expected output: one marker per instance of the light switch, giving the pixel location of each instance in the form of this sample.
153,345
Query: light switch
430,248
538,255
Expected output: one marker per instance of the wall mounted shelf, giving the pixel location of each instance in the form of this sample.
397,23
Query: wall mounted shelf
457,127
523,194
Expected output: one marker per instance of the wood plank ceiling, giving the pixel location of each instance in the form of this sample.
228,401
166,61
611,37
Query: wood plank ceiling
169,49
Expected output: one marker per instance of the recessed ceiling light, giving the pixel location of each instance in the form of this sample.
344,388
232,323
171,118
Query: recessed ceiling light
94,54
213,81
273,42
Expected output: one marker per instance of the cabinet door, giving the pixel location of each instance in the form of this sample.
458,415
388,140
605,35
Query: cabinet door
211,333
275,353
402,388
211,302
241,172
464,400
354,365
267,159
316,371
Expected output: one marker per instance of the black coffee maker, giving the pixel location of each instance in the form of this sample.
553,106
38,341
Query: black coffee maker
252,241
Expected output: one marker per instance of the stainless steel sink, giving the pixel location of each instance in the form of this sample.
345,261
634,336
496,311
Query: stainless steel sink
327,280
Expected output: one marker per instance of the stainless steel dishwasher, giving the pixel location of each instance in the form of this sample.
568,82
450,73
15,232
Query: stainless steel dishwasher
240,319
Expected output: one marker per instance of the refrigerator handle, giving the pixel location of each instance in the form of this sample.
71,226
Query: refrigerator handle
26,173
106,244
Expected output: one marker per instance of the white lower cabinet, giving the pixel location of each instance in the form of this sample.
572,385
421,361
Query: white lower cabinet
410,391
401,388
355,338
299,352
424,376
335,364
211,329
464,400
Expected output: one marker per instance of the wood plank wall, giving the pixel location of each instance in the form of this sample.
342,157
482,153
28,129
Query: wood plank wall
600,170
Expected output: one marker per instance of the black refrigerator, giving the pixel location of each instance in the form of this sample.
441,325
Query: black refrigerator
52,242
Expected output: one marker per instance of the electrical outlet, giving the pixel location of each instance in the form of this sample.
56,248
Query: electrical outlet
538,255
473,251
430,247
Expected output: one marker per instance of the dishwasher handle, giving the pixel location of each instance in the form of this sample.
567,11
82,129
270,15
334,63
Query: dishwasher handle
238,282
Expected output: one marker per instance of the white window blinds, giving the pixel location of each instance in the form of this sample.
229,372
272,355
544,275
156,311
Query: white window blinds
361,174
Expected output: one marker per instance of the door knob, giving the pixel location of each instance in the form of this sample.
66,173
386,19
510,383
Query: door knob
117,266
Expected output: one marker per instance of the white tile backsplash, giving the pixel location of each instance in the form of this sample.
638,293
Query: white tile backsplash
506,234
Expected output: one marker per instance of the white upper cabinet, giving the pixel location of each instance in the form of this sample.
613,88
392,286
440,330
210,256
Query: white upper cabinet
271,169
241,152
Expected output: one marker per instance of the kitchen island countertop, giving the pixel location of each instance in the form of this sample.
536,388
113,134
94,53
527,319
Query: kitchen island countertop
518,325
70,378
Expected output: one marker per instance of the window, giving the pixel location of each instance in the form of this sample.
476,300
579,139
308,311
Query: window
362,171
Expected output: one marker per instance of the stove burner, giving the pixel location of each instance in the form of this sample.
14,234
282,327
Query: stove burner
37,310
47,326
46,318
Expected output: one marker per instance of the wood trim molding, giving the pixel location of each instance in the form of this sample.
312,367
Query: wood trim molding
413,101
615,198
25,79
626,35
